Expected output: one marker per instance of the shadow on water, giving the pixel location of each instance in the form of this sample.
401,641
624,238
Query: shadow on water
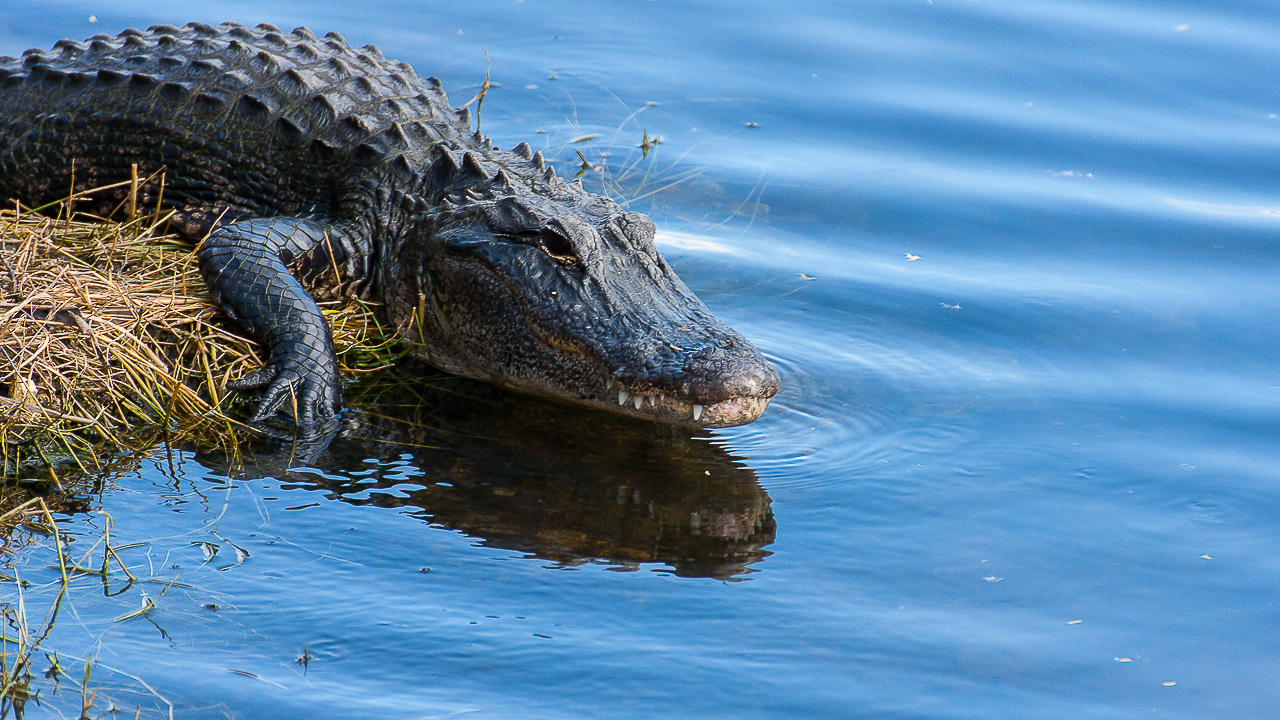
566,484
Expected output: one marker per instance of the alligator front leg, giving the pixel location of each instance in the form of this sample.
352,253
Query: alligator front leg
244,264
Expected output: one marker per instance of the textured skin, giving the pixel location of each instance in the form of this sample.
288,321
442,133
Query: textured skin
312,169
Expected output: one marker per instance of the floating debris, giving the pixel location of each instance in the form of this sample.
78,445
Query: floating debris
648,143
209,549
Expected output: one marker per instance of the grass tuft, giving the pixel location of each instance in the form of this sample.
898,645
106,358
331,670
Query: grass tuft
108,327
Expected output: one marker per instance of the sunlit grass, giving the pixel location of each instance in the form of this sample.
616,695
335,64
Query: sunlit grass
106,328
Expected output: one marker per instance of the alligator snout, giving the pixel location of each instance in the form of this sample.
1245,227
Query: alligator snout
720,384
734,383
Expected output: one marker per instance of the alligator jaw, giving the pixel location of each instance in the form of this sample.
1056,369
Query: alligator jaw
666,408
715,378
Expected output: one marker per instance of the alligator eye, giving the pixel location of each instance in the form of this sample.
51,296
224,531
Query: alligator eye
558,246
549,241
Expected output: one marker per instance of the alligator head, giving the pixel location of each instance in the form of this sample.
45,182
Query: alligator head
510,275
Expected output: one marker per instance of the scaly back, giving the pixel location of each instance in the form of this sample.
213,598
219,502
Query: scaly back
245,123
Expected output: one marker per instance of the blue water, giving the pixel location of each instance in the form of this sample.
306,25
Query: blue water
1031,473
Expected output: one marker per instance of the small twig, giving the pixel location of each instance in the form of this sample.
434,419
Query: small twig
57,540
160,196
53,473
484,90
121,564
133,192
19,509
669,185
46,411
71,199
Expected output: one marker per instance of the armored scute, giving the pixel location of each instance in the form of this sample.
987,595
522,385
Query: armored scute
310,169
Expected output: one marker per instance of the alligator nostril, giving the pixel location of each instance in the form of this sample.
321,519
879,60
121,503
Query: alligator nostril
706,352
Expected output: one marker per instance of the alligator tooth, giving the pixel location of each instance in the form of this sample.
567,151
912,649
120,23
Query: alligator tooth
652,401
639,401
663,397
697,411
622,397
608,385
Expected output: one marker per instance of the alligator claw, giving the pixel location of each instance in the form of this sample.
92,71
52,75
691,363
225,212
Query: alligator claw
274,400
308,398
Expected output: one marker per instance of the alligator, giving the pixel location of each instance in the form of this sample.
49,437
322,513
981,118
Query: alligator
309,170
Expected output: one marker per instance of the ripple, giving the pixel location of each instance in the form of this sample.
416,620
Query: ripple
857,411
931,439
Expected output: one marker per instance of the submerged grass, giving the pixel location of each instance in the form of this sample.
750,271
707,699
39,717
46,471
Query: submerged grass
30,611
107,327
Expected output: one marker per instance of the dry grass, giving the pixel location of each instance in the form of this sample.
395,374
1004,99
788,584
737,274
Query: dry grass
108,327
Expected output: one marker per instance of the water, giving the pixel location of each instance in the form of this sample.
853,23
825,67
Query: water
1065,410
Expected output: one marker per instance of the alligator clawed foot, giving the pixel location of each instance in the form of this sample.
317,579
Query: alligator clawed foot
307,398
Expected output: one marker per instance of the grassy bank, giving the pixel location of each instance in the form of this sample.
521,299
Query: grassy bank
107,328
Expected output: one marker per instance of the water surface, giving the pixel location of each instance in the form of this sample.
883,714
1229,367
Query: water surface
1016,262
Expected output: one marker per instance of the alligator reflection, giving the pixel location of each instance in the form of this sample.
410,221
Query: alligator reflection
563,483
